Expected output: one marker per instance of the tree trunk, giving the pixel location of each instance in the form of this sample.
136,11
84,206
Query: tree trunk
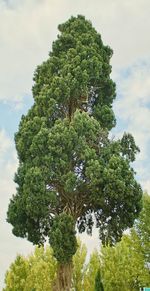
64,277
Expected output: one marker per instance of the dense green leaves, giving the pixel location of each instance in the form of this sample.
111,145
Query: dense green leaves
88,172
78,69
62,238
98,282
129,148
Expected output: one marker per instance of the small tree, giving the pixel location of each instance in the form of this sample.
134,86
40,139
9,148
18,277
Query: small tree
142,227
69,169
98,282
91,271
79,267
15,278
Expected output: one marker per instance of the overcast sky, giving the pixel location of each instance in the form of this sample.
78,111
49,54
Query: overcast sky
27,29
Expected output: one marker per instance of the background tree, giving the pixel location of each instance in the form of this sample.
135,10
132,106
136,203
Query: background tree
142,227
42,270
98,282
15,278
69,169
79,267
35,272
91,271
123,266
126,266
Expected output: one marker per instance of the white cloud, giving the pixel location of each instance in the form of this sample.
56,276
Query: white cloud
92,242
132,108
146,186
27,29
4,143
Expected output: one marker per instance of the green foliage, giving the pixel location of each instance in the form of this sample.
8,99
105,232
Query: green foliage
79,267
123,266
129,148
77,70
98,282
15,278
42,270
67,163
142,227
91,271
62,238
36,272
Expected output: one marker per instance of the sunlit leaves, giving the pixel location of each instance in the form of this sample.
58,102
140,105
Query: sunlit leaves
36,272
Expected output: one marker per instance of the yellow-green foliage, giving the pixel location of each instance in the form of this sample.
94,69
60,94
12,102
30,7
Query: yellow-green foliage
34,272
123,266
91,271
79,267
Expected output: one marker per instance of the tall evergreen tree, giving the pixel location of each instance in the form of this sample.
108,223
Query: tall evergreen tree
69,169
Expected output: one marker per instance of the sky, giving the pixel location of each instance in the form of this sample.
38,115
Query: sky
27,29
